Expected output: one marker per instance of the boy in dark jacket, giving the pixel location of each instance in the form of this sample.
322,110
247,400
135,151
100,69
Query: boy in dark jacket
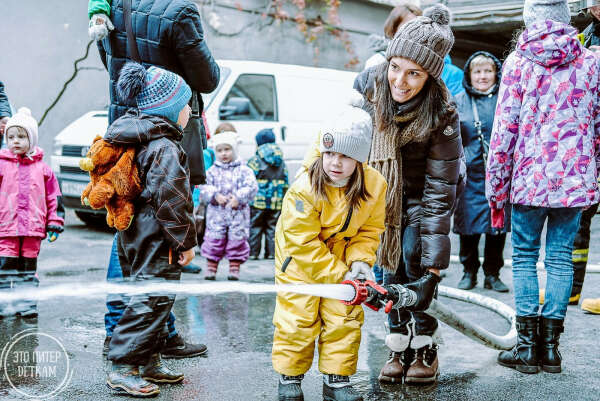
272,177
162,234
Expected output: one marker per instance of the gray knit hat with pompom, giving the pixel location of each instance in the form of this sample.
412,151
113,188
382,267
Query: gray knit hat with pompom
426,40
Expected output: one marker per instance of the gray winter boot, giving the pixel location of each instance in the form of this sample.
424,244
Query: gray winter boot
338,388
290,389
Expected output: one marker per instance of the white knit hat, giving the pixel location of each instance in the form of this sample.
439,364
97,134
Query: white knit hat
225,138
22,118
350,132
541,10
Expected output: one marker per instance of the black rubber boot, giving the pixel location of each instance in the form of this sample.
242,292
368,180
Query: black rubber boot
549,356
290,388
338,388
468,282
523,357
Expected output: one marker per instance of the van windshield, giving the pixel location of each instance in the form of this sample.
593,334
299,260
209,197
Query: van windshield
207,98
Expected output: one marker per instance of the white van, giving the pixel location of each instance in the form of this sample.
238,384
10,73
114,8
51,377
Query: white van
292,100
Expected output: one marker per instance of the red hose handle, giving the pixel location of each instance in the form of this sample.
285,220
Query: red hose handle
361,292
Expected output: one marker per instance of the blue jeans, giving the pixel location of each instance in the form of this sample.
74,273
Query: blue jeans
115,303
527,224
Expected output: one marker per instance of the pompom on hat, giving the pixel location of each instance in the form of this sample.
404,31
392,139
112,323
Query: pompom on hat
350,132
158,92
541,10
23,118
426,40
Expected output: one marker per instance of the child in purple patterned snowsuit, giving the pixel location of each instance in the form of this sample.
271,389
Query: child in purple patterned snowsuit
230,187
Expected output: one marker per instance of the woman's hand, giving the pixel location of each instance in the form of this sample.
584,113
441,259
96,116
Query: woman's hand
425,288
186,257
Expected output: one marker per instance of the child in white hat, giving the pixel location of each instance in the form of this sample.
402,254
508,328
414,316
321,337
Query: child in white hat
230,187
329,230
27,208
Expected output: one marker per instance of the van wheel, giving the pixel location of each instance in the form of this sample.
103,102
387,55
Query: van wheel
92,219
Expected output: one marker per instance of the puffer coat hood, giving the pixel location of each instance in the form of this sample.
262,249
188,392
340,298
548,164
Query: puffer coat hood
135,128
270,153
466,83
549,43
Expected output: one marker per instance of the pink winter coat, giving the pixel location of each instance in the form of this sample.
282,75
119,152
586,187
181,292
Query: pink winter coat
28,195
544,147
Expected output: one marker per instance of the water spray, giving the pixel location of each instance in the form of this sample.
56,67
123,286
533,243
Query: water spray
355,292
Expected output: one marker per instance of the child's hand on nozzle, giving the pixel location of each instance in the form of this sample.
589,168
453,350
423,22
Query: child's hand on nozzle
99,27
53,232
221,199
233,202
360,270
186,257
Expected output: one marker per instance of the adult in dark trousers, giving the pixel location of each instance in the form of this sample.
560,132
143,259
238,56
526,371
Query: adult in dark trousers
590,39
417,147
168,34
5,111
472,217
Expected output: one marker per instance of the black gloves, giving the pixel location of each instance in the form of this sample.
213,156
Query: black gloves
425,288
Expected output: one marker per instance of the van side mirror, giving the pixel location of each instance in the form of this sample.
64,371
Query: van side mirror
235,106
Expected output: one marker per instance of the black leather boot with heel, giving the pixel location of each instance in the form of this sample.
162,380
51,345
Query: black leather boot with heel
523,357
548,354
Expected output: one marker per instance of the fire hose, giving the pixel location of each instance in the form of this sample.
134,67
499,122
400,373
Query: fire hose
396,296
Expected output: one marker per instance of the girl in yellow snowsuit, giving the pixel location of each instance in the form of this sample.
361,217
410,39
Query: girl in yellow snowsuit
329,230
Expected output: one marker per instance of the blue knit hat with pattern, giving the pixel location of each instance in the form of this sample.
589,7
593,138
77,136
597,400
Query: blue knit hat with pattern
158,92
265,136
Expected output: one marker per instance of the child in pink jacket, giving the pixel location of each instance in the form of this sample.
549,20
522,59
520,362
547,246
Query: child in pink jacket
28,203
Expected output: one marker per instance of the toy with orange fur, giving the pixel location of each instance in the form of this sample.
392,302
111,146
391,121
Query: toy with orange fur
114,181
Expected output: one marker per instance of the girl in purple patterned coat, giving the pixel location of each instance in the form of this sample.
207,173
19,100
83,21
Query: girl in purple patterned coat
230,187
544,159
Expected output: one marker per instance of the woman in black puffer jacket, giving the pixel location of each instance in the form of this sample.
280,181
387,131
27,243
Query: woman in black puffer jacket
476,107
417,147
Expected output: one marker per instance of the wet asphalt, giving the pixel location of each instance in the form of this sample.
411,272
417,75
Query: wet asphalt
238,331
